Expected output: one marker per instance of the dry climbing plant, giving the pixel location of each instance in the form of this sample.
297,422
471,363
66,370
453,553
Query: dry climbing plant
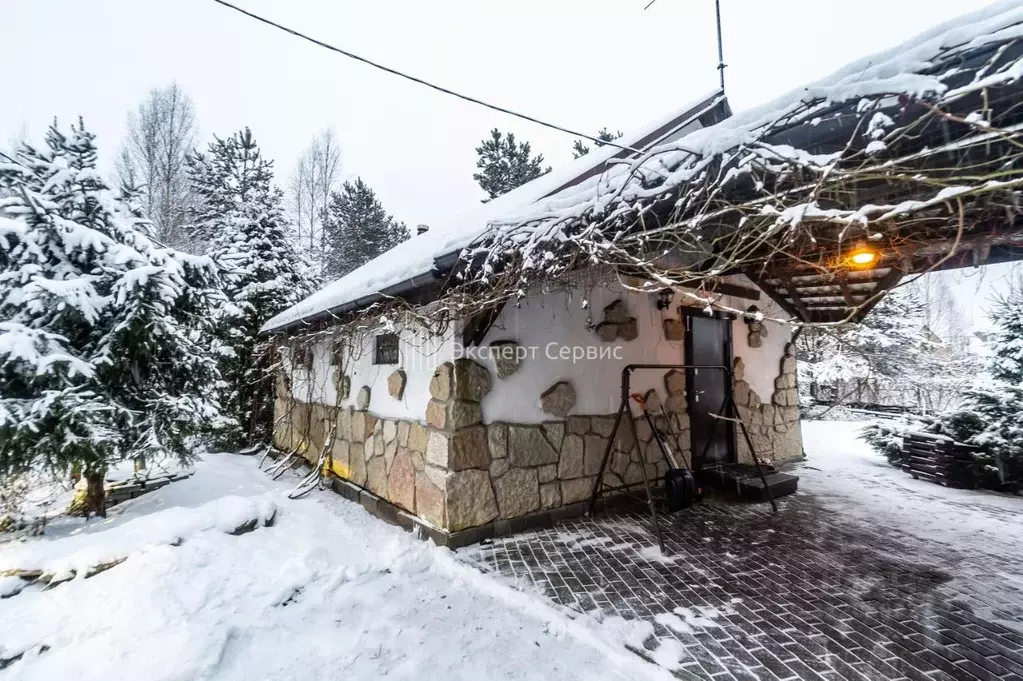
921,177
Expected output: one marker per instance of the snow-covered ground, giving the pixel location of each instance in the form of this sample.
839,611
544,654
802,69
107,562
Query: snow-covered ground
847,476
326,592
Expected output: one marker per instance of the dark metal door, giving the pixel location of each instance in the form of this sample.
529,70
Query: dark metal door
709,343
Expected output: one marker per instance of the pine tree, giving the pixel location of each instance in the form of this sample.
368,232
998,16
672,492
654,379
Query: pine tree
358,228
992,411
892,338
580,148
100,359
242,213
506,164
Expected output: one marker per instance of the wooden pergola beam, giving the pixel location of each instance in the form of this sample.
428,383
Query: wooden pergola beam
846,293
774,295
797,302
884,285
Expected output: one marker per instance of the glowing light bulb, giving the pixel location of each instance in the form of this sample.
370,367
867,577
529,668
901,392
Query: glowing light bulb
863,257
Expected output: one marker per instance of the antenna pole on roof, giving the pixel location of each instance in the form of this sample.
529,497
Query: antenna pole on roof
721,47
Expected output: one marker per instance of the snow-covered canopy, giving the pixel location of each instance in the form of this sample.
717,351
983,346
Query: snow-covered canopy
413,260
906,69
551,209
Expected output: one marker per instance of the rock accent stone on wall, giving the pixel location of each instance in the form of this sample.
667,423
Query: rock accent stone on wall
342,383
456,390
616,312
518,492
457,453
556,463
617,324
606,331
757,329
470,500
674,330
629,331
773,426
440,383
527,446
468,448
403,462
463,413
470,381
292,432
558,400
401,480
507,358
396,384
362,399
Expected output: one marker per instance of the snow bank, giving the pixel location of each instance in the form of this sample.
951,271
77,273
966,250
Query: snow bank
9,586
78,554
328,592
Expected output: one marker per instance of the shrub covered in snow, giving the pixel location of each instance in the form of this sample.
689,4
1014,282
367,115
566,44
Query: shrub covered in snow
992,412
886,439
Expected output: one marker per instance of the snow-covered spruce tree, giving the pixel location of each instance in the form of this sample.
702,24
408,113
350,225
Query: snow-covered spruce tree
580,148
506,164
100,359
357,228
991,414
242,213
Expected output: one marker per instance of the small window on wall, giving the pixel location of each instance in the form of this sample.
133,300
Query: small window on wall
304,357
386,349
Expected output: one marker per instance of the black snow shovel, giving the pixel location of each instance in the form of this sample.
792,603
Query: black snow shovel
680,490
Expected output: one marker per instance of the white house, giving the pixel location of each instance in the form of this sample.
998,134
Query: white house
473,426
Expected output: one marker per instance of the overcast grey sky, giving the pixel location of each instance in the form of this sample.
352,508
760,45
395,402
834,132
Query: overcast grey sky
584,64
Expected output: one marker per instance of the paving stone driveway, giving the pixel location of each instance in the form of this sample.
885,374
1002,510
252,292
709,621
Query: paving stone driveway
801,595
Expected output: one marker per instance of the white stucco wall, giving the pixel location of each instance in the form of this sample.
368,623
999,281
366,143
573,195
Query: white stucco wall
763,363
559,319
545,324
420,354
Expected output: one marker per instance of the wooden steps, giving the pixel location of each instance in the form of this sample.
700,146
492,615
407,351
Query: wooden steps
744,481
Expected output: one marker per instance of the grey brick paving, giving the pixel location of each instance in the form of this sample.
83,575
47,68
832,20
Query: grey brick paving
801,595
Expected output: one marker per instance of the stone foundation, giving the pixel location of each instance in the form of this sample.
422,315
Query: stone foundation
455,473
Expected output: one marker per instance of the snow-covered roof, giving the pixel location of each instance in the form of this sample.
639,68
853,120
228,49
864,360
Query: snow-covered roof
415,258
908,69
543,208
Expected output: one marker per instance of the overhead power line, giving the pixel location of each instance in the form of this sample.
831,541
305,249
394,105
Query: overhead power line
414,79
